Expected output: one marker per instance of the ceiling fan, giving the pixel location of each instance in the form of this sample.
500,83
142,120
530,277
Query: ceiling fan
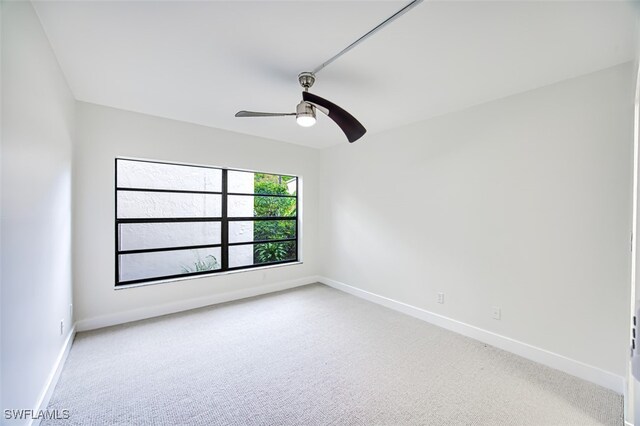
306,109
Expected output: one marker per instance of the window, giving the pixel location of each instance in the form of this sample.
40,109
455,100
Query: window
175,220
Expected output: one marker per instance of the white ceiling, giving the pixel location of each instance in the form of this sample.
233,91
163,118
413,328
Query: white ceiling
201,62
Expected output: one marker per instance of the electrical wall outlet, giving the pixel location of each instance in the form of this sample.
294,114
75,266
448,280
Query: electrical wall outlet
440,297
495,312
61,327
71,312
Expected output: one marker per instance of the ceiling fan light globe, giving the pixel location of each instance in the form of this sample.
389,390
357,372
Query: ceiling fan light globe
306,120
305,114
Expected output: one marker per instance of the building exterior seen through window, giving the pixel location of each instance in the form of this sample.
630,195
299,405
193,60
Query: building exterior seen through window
176,220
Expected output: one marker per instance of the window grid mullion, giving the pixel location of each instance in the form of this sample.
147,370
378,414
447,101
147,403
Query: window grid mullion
246,243
172,248
262,195
167,219
260,218
171,191
224,229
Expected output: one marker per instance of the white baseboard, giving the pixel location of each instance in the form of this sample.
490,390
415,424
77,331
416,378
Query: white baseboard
52,380
185,305
576,368
628,404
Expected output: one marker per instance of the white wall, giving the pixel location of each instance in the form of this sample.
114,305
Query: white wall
632,401
1,94
105,133
523,203
37,118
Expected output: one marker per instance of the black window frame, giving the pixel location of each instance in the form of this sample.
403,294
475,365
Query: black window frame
224,220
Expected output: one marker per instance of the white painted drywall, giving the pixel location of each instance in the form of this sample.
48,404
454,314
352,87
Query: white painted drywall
632,397
522,203
1,94
105,133
37,131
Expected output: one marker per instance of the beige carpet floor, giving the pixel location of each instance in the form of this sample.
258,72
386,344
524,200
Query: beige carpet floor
312,356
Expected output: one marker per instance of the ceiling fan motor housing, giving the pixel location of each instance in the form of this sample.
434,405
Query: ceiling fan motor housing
306,79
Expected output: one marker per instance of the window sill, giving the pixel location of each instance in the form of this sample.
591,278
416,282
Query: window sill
213,274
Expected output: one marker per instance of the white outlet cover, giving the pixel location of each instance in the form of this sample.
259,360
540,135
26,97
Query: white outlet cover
496,312
440,297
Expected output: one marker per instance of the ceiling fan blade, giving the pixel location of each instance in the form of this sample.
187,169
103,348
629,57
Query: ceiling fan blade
347,122
262,114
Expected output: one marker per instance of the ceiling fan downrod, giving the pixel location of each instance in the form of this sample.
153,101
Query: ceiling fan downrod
371,32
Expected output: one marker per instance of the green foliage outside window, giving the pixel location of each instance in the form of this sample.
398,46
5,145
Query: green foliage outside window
273,230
